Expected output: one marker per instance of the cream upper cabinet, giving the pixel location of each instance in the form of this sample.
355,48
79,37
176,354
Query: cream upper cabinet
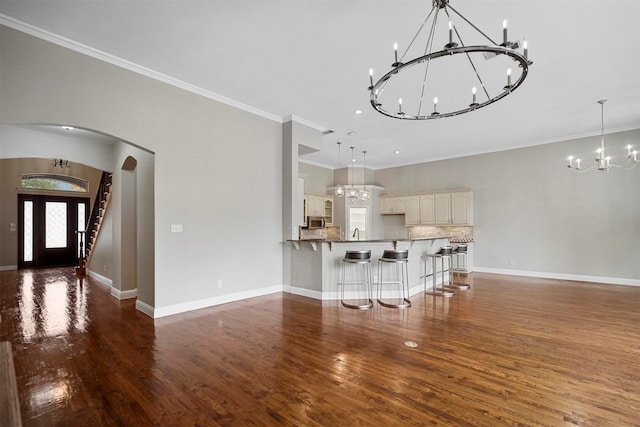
427,209
392,205
319,206
419,210
462,208
439,209
443,209
328,210
315,206
454,208
412,210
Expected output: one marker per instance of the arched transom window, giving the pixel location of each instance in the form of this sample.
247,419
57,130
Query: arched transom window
52,182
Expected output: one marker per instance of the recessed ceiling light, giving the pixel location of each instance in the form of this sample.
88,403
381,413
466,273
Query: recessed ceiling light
396,152
351,133
357,112
67,128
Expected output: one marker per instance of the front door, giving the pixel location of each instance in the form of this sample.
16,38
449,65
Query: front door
47,230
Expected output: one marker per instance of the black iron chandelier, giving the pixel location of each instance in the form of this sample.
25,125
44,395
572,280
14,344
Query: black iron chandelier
459,78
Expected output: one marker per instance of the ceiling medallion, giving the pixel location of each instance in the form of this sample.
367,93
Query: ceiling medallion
480,79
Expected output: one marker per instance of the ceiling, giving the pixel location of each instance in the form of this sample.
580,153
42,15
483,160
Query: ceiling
311,59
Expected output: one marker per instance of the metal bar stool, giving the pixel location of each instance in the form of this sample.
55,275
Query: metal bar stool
400,260
444,254
459,253
363,260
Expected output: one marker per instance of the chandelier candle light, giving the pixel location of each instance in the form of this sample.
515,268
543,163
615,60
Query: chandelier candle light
429,70
603,162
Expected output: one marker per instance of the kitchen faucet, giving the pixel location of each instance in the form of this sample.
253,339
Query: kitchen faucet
356,231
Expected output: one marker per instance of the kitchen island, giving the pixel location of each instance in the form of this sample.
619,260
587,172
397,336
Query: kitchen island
315,264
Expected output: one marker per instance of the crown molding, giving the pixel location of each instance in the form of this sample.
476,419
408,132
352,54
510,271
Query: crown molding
130,66
303,121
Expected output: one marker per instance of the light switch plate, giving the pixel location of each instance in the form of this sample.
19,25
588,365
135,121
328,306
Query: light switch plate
176,228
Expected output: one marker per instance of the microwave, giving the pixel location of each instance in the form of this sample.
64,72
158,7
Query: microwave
315,222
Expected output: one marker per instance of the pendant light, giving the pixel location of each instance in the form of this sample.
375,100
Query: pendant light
339,188
365,194
352,192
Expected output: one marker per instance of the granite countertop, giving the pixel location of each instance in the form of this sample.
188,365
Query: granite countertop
368,240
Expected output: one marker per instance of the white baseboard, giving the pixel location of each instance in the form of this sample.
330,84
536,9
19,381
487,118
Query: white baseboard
117,293
327,296
335,295
303,292
8,267
145,308
131,293
100,278
210,302
559,276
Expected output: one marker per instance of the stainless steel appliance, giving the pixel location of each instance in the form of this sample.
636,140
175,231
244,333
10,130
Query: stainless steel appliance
315,222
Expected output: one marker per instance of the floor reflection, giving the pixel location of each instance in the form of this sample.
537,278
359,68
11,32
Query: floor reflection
73,348
53,308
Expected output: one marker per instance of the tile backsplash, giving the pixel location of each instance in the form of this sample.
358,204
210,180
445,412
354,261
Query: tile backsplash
457,234
326,233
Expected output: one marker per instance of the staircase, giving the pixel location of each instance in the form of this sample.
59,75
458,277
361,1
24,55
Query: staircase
97,214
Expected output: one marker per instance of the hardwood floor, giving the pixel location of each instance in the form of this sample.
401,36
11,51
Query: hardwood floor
509,351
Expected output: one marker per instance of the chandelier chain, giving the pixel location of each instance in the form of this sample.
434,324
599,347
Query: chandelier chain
417,34
470,23
473,66
428,49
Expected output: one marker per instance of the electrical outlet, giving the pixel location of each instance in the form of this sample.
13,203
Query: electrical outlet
219,284
510,262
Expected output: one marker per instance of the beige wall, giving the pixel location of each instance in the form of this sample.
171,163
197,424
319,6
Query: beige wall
316,178
11,171
532,214
216,169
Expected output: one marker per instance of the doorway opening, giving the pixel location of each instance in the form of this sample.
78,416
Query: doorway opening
358,223
48,230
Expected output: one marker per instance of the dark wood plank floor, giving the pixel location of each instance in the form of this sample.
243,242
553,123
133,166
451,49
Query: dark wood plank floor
510,351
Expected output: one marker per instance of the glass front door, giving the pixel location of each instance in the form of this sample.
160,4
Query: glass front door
47,230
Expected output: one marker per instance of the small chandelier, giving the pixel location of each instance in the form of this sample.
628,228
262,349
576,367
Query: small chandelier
61,163
426,74
339,188
603,161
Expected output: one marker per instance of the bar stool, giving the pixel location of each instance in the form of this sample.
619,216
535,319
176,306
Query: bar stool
459,253
363,260
443,255
400,260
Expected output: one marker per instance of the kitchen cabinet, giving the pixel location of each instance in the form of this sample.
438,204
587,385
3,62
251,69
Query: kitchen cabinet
439,209
462,208
427,209
454,208
318,206
442,209
419,210
412,210
392,205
